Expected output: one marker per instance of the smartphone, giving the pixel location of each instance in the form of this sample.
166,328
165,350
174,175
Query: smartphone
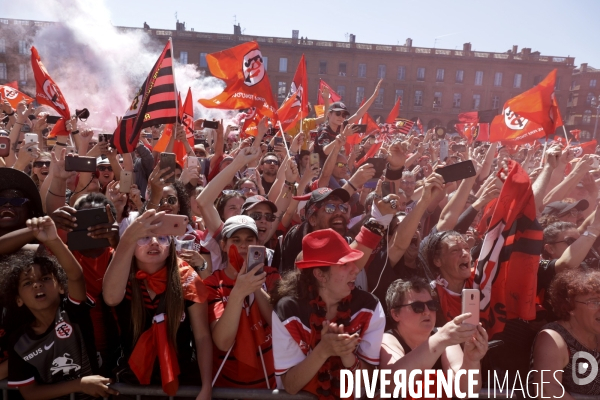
256,255
595,163
172,225
52,119
210,124
443,149
78,238
192,162
460,148
204,165
80,164
4,146
386,188
249,172
106,136
379,164
495,343
31,138
278,141
458,171
314,158
125,181
470,304
360,128
167,160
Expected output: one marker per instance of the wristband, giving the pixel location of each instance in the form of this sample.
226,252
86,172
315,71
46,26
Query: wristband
54,194
19,123
351,185
153,204
11,114
368,238
393,175
588,233
60,144
290,184
75,132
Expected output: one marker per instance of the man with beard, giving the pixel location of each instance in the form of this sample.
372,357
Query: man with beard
269,167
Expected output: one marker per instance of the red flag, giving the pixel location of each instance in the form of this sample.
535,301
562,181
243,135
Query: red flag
471,117
333,96
154,104
46,90
419,125
510,127
575,133
394,113
247,83
370,154
404,125
585,148
13,84
538,104
13,96
296,104
186,113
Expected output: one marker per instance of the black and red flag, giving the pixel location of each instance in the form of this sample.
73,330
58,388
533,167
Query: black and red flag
155,103
404,126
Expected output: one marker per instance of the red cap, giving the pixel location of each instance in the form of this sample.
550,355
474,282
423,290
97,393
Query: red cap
326,247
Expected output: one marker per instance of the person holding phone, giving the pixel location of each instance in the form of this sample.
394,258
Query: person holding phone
240,312
151,290
322,322
412,343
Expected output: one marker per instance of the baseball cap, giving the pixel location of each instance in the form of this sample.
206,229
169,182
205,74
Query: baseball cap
255,200
326,247
321,194
102,161
560,208
338,106
236,223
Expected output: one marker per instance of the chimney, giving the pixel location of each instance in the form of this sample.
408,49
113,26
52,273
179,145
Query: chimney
237,29
467,47
584,67
526,51
352,38
515,49
408,42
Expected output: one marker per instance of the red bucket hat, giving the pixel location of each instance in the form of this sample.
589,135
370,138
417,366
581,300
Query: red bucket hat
326,247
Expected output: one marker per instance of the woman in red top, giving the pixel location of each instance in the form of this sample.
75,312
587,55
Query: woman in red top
161,307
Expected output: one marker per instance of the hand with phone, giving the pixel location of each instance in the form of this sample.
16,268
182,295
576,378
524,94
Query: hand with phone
157,181
247,282
28,152
108,230
363,174
143,226
432,188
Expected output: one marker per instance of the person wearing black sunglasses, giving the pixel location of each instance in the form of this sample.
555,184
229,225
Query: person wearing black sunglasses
40,169
412,343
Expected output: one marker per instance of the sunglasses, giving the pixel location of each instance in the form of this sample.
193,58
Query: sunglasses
41,164
419,306
162,240
103,168
568,240
172,200
15,201
408,183
247,190
330,208
271,162
257,216
341,165
341,113
229,192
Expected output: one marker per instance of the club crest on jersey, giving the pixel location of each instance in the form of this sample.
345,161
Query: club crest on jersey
63,330
514,121
253,68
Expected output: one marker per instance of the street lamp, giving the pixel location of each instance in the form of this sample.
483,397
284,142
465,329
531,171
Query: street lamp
597,106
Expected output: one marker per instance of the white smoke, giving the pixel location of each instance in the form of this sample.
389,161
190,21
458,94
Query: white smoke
101,67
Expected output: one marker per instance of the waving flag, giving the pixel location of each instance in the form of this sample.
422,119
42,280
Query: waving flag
295,106
13,96
46,90
154,104
514,129
404,125
391,118
585,148
247,84
186,118
538,104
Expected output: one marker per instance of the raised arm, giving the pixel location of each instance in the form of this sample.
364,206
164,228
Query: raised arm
574,255
540,185
365,107
563,189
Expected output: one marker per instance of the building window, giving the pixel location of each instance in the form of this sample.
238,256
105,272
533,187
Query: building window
360,94
379,99
589,98
183,57
283,64
342,69
362,70
456,100
2,46
537,80
517,81
437,99
460,74
478,78
23,47
421,74
557,83
592,81
439,75
322,67
381,72
476,101
587,117
281,92
203,63
265,61
495,102
22,73
498,79
418,97
401,73
2,70
341,90
399,94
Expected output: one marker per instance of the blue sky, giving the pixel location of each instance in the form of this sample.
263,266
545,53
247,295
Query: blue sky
553,27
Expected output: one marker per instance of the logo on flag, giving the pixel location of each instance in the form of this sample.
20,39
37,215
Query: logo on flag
253,67
514,121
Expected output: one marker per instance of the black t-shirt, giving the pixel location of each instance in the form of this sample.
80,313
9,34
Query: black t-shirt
60,354
325,135
266,185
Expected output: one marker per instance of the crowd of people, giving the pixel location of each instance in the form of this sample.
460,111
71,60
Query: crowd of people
358,269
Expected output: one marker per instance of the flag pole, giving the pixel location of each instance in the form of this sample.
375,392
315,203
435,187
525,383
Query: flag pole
283,137
565,132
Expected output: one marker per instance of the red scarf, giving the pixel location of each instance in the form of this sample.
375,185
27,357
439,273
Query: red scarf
157,282
235,259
